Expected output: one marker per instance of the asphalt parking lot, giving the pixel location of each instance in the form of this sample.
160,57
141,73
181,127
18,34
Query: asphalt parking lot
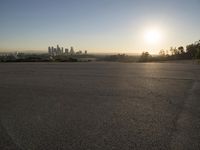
99,106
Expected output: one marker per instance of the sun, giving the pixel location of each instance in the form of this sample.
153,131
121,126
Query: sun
152,36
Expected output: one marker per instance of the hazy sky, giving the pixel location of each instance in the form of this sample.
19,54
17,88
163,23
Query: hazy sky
98,25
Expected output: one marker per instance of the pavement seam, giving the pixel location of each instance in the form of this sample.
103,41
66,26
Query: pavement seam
181,137
9,137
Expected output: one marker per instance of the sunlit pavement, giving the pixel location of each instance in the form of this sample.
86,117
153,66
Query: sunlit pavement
99,106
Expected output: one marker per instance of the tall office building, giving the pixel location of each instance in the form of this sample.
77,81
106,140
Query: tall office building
71,51
66,51
58,47
49,50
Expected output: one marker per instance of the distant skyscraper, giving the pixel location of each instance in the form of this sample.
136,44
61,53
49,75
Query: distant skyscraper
58,47
58,50
49,50
71,50
66,51
55,52
52,50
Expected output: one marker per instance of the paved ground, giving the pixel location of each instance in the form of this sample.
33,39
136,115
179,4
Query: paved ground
99,106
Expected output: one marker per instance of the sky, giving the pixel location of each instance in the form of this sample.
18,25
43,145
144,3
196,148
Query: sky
102,26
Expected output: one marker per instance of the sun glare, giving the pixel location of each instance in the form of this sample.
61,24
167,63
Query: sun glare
152,36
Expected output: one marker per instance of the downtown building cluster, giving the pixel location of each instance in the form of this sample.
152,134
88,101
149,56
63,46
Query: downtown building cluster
55,51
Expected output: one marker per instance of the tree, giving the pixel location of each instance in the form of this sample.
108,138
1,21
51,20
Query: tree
180,50
173,51
198,53
162,53
192,49
145,57
167,53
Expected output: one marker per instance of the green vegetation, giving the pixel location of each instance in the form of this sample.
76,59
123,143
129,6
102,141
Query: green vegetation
22,57
119,58
145,57
192,51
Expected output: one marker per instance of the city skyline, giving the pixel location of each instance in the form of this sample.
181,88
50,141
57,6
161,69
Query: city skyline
56,51
107,26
